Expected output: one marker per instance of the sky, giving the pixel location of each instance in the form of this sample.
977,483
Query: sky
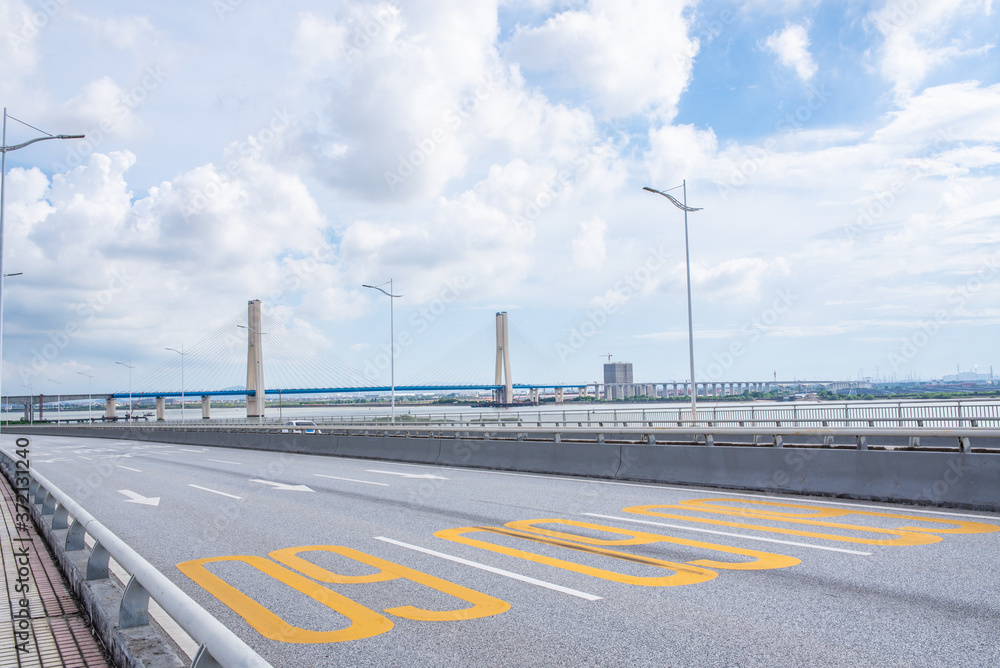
490,155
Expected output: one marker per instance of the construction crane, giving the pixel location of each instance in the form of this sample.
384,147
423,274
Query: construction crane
608,356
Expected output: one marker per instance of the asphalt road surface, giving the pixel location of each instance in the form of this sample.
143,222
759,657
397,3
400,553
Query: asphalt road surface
325,561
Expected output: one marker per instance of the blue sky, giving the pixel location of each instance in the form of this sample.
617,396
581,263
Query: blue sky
491,156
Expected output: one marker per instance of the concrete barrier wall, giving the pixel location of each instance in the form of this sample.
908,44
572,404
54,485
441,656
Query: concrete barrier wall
970,480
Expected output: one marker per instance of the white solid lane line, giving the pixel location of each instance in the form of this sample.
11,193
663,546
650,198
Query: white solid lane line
726,533
224,461
129,468
365,482
213,491
426,476
491,569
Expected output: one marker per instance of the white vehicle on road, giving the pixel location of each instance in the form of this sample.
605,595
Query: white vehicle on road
301,427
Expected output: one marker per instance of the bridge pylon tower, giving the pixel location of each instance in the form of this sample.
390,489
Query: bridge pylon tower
255,361
505,395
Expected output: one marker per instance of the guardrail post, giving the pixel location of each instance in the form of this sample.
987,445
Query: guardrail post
40,495
709,439
557,438
48,504
914,441
651,439
202,659
134,609
828,441
965,444
74,539
97,564
600,438
60,519
862,442
778,442
32,487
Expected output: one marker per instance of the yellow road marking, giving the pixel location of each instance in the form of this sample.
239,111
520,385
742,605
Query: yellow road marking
483,605
684,574
365,623
762,560
711,505
903,537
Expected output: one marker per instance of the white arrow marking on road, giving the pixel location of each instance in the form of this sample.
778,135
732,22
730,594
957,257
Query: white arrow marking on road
139,498
425,476
284,486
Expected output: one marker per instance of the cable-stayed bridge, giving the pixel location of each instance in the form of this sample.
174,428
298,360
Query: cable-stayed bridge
254,356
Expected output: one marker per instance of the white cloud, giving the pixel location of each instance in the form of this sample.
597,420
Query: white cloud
588,246
628,57
918,38
791,46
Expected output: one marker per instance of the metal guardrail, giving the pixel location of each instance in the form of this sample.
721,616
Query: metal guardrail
962,438
218,646
917,413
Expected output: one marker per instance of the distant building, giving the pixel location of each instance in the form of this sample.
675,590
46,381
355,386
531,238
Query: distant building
617,380
618,372
964,377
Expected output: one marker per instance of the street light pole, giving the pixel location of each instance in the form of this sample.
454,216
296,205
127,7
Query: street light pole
130,408
90,401
683,206
58,396
182,354
31,404
392,347
4,149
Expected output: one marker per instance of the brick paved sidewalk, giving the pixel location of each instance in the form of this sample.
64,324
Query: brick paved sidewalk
42,626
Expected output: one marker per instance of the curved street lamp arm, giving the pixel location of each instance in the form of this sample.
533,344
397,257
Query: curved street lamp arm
375,287
680,205
6,149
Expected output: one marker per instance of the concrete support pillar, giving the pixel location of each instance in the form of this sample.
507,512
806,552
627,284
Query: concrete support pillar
109,409
559,395
505,396
205,405
255,362
160,409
